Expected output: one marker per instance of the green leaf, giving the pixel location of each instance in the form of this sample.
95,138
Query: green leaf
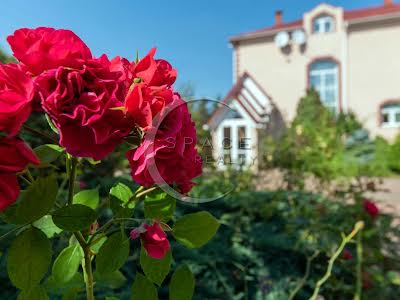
195,230
76,282
122,192
113,254
74,217
48,153
182,283
159,206
118,210
37,200
112,298
155,269
29,258
34,293
47,225
95,248
90,198
120,195
70,294
67,263
143,289
10,214
394,277
113,280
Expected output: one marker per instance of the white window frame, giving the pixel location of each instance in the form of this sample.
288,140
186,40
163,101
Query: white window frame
324,86
323,21
391,110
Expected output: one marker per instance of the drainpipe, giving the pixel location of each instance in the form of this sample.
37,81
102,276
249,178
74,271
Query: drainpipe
234,66
233,46
345,49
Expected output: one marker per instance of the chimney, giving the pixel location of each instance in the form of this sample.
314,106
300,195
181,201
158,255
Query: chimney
388,3
279,15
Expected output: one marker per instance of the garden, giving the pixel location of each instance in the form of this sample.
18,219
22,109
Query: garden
101,176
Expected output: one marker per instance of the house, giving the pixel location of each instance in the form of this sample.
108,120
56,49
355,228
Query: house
351,57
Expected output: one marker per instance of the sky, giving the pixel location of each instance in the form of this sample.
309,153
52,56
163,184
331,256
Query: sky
191,34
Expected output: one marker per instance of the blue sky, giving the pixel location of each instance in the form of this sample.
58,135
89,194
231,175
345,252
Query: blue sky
191,34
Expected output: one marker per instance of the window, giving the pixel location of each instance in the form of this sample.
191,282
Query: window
227,145
241,137
233,114
390,115
227,138
323,24
324,79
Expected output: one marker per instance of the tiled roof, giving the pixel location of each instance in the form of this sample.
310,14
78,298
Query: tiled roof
349,15
371,12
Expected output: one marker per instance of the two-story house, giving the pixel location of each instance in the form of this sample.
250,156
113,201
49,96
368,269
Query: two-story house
351,57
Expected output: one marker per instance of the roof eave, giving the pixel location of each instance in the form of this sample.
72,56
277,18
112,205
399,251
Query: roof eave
369,19
263,34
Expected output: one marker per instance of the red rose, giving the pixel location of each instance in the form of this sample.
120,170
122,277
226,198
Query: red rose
347,255
169,154
123,66
154,72
155,241
45,48
151,90
82,104
16,93
9,190
143,103
15,155
371,208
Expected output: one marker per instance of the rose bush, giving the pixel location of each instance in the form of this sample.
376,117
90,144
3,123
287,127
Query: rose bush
94,105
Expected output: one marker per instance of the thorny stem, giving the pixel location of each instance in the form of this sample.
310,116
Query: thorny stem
346,239
303,281
143,193
357,295
102,230
30,177
87,263
88,274
141,188
41,134
24,179
71,166
140,194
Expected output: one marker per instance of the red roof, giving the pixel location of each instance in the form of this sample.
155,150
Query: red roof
371,12
349,15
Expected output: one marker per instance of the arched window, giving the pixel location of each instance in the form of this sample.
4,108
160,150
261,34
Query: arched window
323,23
390,114
323,77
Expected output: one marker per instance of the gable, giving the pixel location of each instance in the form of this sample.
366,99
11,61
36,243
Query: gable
247,100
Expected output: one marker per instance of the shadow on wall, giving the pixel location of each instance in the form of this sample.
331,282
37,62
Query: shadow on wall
276,125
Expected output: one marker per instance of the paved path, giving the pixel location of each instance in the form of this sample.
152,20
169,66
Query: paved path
388,199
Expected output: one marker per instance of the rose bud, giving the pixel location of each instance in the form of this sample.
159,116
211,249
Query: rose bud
347,255
371,208
154,239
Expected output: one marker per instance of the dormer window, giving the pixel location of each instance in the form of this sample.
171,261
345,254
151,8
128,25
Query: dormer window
323,23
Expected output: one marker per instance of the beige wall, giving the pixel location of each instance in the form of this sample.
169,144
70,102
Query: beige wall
370,66
374,72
